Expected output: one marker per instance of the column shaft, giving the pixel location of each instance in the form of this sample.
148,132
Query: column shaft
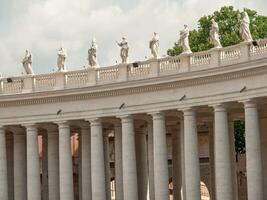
118,163
191,158
253,153
97,161
3,166
130,191
20,171
85,164
44,169
53,164
223,173
151,161
33,168
141,159
107,167
66,190
161,177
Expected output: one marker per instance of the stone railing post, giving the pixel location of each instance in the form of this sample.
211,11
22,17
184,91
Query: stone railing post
154,68
123,74
185,63
244,49
28,83
92,76
215,58
60,80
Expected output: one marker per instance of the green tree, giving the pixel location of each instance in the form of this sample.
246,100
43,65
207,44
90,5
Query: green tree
228,20
240,143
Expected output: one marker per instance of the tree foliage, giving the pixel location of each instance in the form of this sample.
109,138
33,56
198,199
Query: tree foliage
228,20
240,143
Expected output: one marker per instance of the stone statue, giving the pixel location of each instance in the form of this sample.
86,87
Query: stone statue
214,34
124,50
62,55
27,63
92,54
184,41
154,45
244,28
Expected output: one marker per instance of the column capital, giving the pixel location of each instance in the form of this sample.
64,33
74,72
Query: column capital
157,115
2,129
62,124
250,103
95,121
30,126
219,107
189,111
126,118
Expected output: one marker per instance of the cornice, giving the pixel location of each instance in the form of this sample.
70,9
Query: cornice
139,86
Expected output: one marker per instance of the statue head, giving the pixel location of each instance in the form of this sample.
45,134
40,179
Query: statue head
123,38
185,26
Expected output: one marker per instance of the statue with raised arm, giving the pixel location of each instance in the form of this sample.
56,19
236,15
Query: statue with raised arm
214,34
154,45
62,55
92,54
27,63
184,40
124,50
244,28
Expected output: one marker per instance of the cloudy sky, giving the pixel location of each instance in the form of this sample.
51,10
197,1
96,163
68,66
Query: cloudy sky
42,26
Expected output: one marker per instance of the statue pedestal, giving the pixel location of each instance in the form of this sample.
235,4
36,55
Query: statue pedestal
60,80
28,83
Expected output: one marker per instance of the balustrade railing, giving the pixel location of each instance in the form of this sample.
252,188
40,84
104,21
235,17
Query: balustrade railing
133,71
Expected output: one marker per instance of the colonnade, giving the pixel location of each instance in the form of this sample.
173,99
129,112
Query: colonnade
141,159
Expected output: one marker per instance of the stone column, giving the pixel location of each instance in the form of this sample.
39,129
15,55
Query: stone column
130,191
33,166
53,162
107,166
3,165
118,162
141,159
176,163
10,166
191,158
66,190
150,160
44,169
223,173
161,177
211,160
253,152
20,170
85,163
97,161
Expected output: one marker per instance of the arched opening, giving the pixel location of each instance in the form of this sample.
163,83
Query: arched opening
205,195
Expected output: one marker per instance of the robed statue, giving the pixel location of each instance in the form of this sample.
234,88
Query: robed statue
244,28
214,34
27,63
184,41
154,45
124,50
92,54
62,55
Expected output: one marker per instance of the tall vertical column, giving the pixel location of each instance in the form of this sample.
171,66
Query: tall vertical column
20,171
176,163
141,159
107,166
161,180
253,152
223,173
33,168
118,162
66,190
53,162
3,165
97,161
211,159
191,158
150,160
44,169
10,166
130,191
85,163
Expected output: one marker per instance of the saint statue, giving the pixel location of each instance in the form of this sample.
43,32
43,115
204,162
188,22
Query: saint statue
184,41
92,54
124,50
154,45
62,55
214,34
244,28
27,63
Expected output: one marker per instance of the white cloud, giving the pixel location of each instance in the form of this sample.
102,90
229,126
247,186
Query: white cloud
42,26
